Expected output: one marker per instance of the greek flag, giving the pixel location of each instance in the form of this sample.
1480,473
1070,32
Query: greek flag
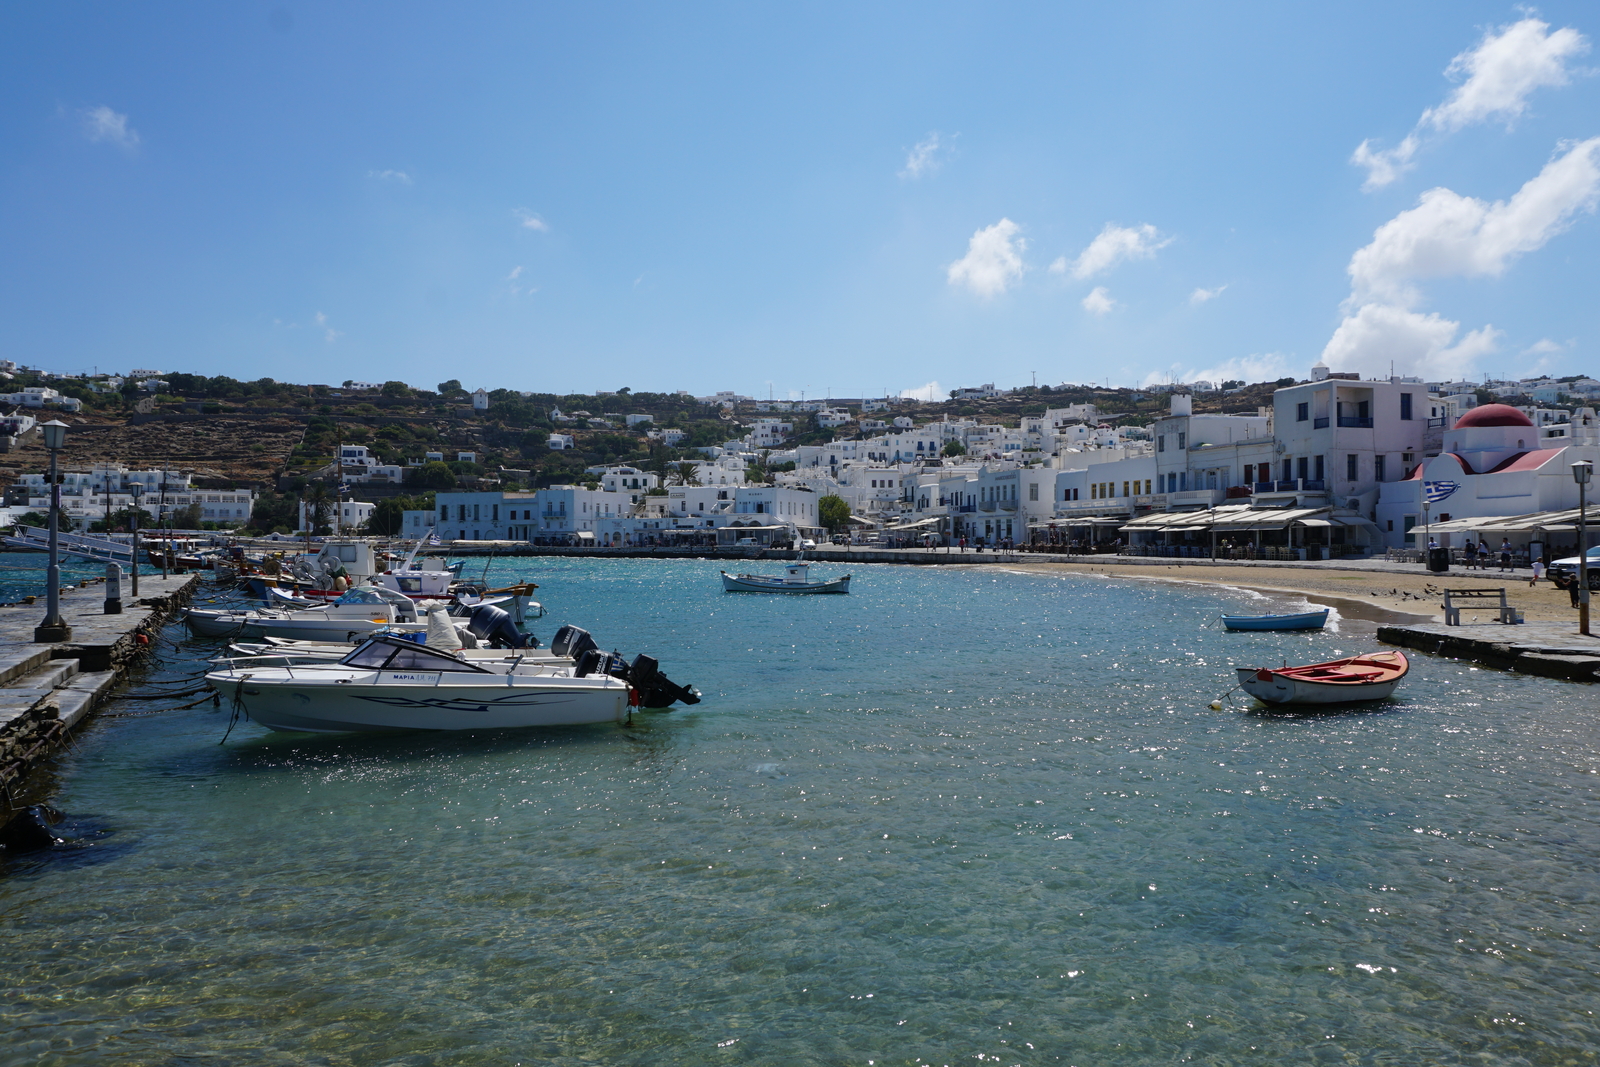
1433,492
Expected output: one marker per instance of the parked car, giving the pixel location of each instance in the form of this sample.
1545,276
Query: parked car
839,539
806,542
1562,568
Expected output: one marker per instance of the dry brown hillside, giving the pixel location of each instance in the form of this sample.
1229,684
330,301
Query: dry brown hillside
216,449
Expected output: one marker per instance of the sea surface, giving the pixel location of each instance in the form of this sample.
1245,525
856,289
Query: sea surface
960,816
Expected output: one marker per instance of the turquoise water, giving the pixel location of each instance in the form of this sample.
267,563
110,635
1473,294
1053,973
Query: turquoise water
959,816
23,573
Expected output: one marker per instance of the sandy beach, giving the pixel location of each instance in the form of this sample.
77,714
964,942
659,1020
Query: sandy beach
1373,596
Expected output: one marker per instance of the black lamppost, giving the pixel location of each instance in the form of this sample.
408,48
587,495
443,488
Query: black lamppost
136,490
53,628
1581,473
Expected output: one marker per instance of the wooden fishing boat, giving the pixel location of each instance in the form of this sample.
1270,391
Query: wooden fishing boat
1340,681
1304,620
794,580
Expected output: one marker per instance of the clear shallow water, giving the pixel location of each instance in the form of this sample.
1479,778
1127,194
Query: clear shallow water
956,814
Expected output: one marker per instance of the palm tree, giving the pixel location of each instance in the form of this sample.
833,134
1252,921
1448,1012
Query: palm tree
317,500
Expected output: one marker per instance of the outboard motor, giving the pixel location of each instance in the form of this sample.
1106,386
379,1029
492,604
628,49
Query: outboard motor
571,641
590,661
656,690
494,625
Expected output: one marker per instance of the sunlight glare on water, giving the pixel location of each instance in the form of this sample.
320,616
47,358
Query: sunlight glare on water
958,815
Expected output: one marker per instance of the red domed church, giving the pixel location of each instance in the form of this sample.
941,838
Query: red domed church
1494,462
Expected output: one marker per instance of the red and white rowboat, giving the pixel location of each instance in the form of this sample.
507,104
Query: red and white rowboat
1340,681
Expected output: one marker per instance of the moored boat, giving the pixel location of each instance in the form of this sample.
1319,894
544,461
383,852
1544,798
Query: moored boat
1304,620
390,683
795,579
1354,678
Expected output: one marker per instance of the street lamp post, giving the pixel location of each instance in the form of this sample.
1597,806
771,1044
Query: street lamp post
53,628
136,490
1581,473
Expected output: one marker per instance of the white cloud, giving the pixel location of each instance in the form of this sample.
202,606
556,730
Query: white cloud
530,221
1499,76
1384,165
993,260
1058,265
1263,367
930,391
1450,234
103,124
1115,244
1099,301
1504,70
1543,347
390,176
516,272
1380,336
923,157
329,333
1200,296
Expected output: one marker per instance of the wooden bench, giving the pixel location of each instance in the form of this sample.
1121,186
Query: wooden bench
1452,608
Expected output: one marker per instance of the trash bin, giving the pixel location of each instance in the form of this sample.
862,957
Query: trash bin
1438,560
1313,552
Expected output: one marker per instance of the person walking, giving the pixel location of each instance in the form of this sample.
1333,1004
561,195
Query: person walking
1505,553
1538,571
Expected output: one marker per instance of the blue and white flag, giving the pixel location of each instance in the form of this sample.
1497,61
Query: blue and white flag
1433,492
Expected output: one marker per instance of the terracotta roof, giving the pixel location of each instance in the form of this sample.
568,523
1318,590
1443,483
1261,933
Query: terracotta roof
1492,415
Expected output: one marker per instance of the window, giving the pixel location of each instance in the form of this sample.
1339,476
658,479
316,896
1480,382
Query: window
1161,443
1377,467
494,512
1181,438
1033,491
1320,471
1405,406
1288,469
1410,522
1124,488
1352,468
1302,412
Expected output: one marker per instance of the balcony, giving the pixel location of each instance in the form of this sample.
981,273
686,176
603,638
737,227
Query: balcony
1354,422
1320,424
967,509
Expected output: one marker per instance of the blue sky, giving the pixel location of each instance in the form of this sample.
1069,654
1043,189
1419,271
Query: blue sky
828,199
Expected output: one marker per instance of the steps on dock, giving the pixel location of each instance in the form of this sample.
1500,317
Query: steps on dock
70,691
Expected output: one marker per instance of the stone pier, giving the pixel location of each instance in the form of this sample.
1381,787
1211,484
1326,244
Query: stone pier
47,689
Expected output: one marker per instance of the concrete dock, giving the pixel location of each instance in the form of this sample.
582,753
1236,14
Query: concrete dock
1553,650
47,689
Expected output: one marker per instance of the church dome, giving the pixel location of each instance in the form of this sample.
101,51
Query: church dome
1492,415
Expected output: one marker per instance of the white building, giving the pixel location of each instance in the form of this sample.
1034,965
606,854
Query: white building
1494,462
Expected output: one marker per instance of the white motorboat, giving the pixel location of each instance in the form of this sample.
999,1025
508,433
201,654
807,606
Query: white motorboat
795,579
358,612
391,683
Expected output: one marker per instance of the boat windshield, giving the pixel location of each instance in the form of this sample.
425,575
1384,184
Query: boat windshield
398,655
364,594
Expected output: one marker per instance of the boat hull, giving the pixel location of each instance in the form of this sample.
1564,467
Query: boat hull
1306,620
1386,669
749,583
367,707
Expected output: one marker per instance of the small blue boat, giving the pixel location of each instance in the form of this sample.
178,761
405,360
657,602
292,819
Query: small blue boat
1305,620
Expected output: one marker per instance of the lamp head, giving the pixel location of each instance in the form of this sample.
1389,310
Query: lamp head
136,490
55,434
1582,471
